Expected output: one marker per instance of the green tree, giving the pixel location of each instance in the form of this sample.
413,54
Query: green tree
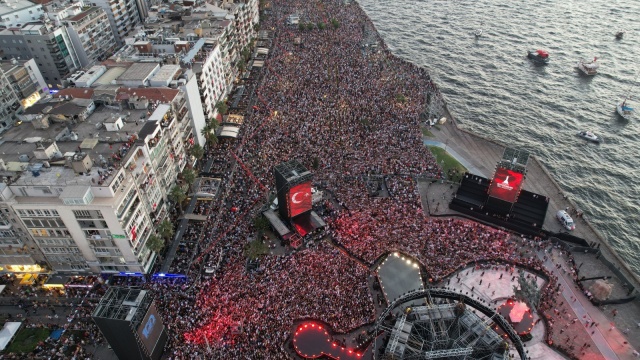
177,195
528,291
189,176
335,23
321,26
400,98
165,229
241,66
208,131
246,53
301,26
196,151
310,26
155,243
261,224
255,249
222,107
316,163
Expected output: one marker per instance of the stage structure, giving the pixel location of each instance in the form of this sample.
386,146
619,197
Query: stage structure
130,322
502,200
293,184
445,326
446,330
295,200
507,181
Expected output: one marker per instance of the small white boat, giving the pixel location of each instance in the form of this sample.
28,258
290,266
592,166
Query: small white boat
588,68
589,136
478,33
624,110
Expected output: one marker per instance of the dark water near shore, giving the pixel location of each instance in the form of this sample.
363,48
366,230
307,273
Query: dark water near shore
493,90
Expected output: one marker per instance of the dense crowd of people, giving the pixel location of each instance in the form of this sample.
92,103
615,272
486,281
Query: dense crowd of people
344,113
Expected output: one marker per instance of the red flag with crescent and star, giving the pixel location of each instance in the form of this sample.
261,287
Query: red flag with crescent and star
299,199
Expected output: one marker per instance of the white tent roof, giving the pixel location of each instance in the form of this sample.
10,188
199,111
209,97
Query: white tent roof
7,333
229,131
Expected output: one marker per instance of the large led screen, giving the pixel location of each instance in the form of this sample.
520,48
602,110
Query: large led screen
506,185
150,328
299,199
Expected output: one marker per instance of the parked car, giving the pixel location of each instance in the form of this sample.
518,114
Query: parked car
565,219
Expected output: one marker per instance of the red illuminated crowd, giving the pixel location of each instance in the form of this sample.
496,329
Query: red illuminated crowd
344,113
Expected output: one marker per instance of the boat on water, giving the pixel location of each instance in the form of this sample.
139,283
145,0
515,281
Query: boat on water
619,35
540,57
588,68
478,33
625,110
589,136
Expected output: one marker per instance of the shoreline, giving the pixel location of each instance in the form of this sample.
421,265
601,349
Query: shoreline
598,235
595,234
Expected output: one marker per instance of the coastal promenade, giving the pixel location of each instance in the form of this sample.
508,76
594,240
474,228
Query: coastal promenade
618,332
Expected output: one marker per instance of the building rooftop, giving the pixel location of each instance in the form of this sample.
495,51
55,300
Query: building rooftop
83,14
138,72
161,95
107,149
8,65
75,93
7,7
166,73
110,76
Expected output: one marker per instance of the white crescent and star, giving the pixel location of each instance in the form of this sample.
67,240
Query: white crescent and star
293,197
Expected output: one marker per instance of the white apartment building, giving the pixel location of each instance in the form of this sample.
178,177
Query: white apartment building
91,34
18,252
21,85
123,16
200,67
246,16
15,13
224,33
90,194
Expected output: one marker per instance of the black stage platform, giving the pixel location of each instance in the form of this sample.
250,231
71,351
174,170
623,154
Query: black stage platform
398,275
525,216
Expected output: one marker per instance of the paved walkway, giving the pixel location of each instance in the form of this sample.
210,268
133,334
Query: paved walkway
184,224
609,340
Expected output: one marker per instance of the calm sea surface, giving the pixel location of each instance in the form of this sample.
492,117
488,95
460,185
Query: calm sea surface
493,90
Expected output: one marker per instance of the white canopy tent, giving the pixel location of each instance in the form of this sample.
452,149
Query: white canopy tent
7,333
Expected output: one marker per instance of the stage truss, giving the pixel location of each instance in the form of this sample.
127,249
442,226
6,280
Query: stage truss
445,328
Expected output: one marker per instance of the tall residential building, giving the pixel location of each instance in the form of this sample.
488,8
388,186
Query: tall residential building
50,47
91,34
223,31
123,16
18,252
15,13
88,173
246,16
200,72
23,79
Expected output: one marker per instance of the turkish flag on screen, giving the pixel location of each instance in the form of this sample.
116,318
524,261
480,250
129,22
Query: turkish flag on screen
299,199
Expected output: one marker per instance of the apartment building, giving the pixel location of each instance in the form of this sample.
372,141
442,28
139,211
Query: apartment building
18,251
87,173
21,85
49,45
123,15
198,72
15,13
91,34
